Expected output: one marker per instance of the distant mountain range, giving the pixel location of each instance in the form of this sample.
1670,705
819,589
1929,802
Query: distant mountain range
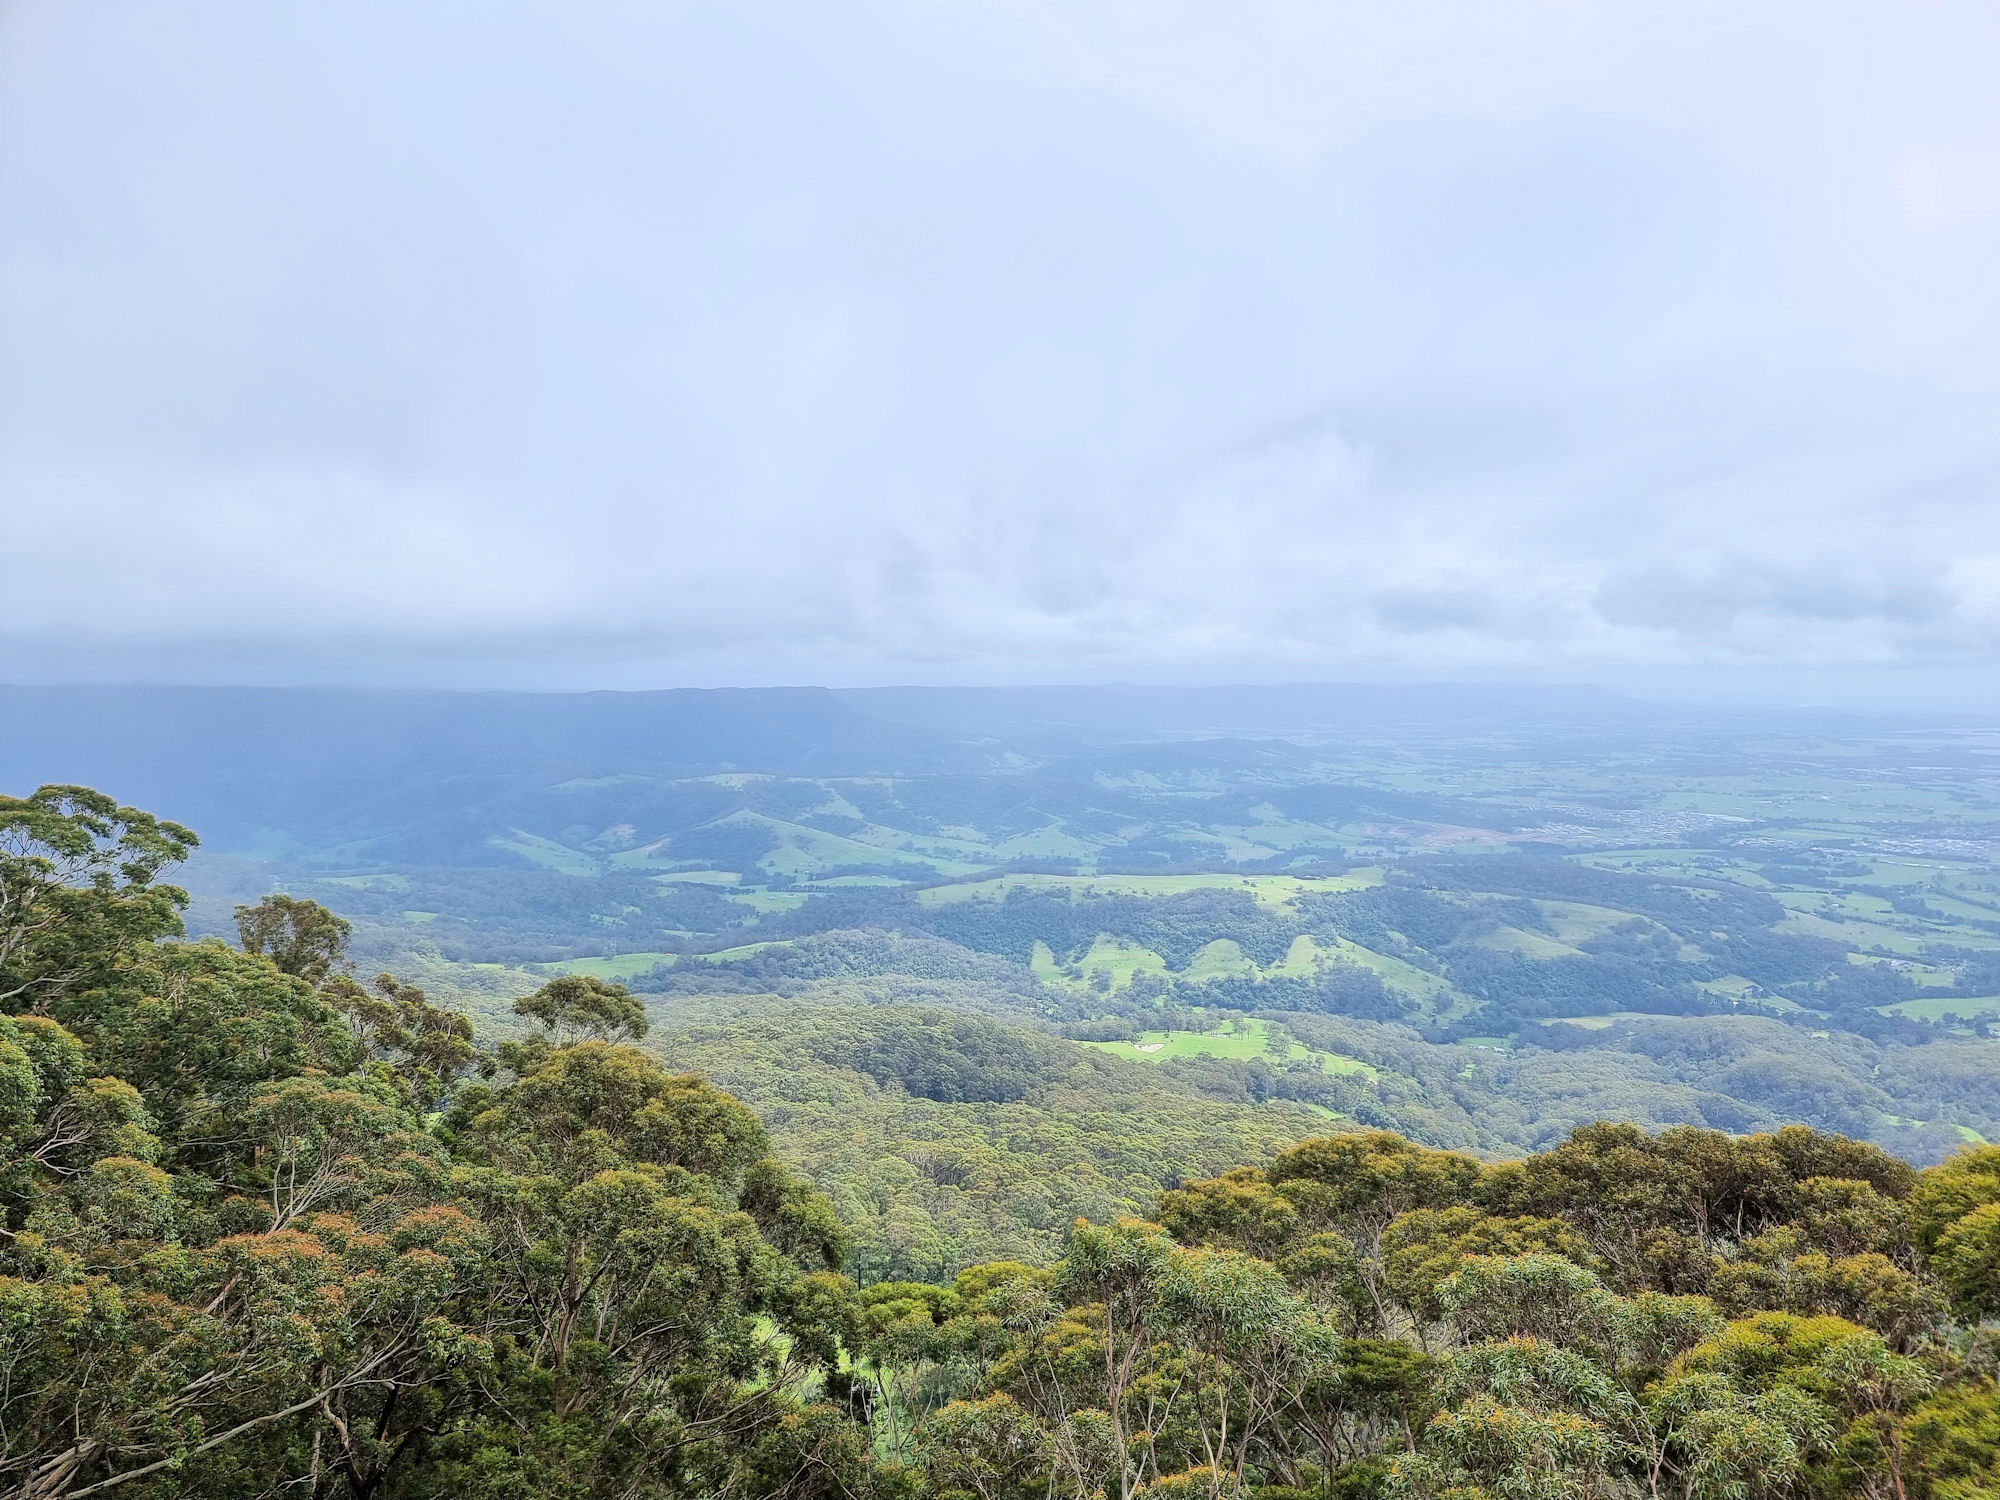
285,771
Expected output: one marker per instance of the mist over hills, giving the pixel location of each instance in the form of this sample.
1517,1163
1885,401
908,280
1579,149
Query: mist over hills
291,770
278,769
287,770
1115,712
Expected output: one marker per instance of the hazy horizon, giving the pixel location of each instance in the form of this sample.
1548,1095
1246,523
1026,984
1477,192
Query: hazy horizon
1880,692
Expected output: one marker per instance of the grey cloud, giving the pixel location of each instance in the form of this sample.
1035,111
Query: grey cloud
1421,610
1021,342
1679,597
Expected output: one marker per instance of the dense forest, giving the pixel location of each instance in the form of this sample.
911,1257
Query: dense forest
269,1228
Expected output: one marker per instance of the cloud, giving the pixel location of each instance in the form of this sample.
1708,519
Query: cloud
1017,342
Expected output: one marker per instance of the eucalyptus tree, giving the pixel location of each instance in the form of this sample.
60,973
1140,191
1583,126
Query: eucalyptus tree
79,890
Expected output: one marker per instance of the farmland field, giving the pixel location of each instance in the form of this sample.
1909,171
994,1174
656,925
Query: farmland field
1240,1039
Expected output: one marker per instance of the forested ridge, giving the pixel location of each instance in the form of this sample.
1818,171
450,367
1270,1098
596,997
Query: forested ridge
272,1228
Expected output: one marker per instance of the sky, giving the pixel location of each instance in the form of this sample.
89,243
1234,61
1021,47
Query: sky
647,345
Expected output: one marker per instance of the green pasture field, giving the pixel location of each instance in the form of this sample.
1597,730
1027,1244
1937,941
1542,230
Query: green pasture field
1942,1007
1301,960
1575,922
1041,843
1897,872
1124,959
1978,897
1955,906
760,900
1432,990
1221,959
617,967
1527,944
1275,832
1683,864
1929,976
1241,1039
725,955
1869,934
546,852
1850,904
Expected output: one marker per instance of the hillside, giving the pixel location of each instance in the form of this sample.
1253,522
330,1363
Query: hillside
944,1140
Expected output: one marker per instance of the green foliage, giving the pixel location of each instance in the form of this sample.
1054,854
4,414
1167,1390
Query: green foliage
1239,1210
590,1105
264,1227
582,1005
1775,1396
300,937
1361,1182
1967,1261
1949,1191
261,1231
1424,1249
1542,1297
1952,1442
78,892
422,1048
990,1448
1484,1447
1955,1217
934,1055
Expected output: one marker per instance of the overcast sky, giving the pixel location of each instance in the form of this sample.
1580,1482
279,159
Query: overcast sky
641,344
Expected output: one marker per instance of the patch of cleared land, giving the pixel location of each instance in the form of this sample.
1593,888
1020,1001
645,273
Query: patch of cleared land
546,852
1527,944
1941,1007
1224,959
1241,1039
1122,958
1576,922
